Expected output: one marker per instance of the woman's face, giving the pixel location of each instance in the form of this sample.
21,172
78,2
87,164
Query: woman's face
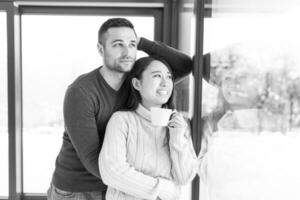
155,85
241,88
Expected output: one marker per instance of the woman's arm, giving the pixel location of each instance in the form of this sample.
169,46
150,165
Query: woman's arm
183,156
117,173
180,63
202,157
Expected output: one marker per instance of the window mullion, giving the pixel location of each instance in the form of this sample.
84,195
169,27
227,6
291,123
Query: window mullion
198,65
14,104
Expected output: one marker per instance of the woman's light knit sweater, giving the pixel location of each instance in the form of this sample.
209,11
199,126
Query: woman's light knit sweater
138,161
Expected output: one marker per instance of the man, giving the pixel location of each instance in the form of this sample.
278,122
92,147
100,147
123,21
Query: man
89,102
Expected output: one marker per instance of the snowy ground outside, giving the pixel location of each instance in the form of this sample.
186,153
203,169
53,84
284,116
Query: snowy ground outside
40,151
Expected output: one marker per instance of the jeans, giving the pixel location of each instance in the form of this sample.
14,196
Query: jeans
54,193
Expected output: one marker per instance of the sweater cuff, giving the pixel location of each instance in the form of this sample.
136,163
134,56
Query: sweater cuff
144,44
167,189
178,137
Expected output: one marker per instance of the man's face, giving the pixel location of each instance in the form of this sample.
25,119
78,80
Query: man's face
119,49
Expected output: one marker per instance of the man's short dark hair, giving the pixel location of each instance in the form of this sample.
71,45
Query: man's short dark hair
113,22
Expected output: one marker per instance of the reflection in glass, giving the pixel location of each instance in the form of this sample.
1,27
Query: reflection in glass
3,108
251,146
55,51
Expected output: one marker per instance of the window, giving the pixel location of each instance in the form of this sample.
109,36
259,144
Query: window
3,108
56,49
253,103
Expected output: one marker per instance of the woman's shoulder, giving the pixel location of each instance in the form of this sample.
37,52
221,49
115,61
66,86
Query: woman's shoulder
122,113
122,116
120,120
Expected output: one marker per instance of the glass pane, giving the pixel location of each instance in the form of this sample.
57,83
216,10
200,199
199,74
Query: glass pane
251,149
3,107
55,51
186,44
184,90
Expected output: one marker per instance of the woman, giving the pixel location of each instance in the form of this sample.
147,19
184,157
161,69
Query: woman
139,160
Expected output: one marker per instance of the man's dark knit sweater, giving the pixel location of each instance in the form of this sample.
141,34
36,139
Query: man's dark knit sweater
88,105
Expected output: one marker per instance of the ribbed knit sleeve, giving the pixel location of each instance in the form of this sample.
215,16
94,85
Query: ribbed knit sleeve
180,63
202,157
183,157
117,173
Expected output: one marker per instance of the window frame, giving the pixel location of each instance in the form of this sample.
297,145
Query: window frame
14,102
4,7
197,129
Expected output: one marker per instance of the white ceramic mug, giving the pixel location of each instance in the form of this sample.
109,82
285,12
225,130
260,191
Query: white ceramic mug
160,116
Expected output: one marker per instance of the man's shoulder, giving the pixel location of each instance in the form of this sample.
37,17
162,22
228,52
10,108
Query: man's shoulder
86,79
84,86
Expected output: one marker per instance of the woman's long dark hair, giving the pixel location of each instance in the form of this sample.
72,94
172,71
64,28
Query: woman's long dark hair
134,97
